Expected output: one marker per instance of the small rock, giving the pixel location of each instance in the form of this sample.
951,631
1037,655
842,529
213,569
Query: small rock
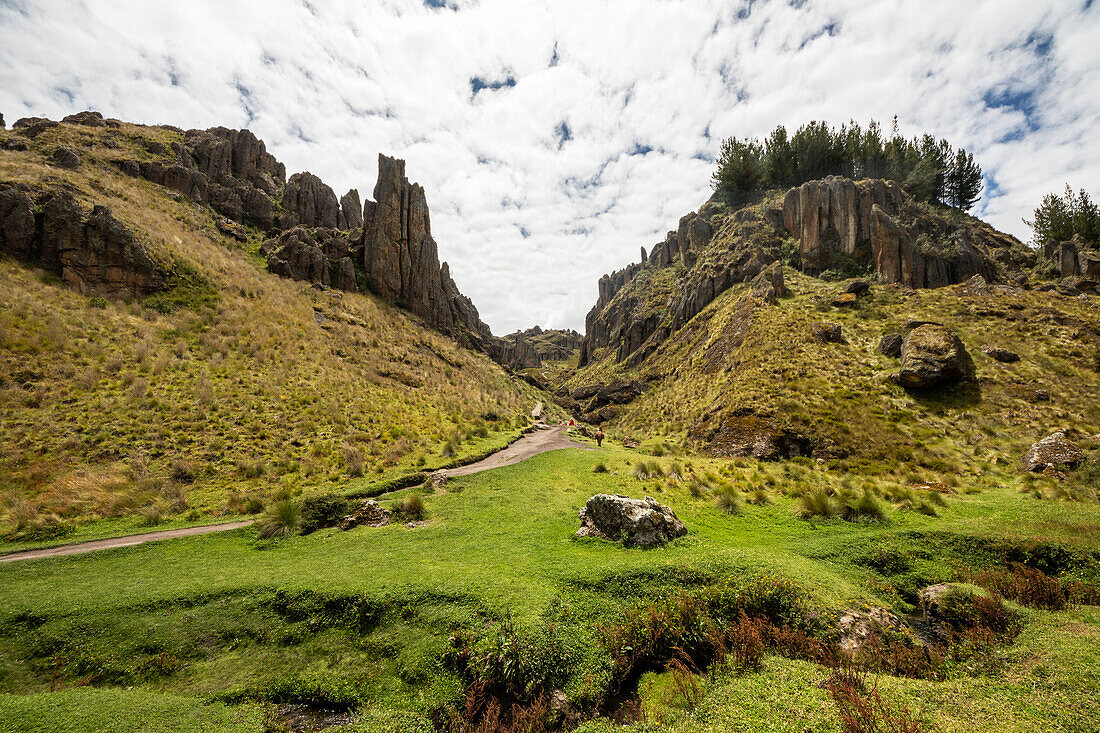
369,513
64,157
828,333
857,627
890,345
911,323
1002,355
844,300
1054,450
630,521
976,286
438,480
15,144
2,125
858,288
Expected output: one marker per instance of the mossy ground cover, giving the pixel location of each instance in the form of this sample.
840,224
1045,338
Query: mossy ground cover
365,618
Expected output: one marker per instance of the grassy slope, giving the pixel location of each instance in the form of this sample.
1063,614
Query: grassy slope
501,543
236,384
840,394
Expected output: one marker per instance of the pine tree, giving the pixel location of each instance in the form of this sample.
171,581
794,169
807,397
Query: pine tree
964,181
1060,218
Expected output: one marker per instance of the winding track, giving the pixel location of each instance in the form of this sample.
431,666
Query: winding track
542,440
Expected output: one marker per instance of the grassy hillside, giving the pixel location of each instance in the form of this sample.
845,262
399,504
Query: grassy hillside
229,389
234,619
764,361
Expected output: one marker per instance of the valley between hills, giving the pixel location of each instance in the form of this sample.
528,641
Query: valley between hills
826,457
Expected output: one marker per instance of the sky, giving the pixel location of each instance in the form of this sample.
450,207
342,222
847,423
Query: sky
556,138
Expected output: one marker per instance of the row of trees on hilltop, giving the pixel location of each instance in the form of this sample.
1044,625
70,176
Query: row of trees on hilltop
1060,218
929,169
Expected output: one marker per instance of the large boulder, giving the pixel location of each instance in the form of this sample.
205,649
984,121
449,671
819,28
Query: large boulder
750,436
1055,451
630,521
933,355
64,157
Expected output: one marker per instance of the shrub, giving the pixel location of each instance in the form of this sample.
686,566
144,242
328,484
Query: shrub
322,510
1025,585
281,520
864,711
449,449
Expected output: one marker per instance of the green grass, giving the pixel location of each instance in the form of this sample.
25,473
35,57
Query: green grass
91,710
365,615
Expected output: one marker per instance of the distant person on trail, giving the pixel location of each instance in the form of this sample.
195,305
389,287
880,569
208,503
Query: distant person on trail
599,437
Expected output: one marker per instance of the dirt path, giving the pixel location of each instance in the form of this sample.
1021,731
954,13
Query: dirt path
134,539
544,439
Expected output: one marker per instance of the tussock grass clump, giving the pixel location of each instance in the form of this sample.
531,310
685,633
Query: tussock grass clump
410,507
643,471
759,496
727,500
600,467
282,519
818,503
153,514
862,507
675,471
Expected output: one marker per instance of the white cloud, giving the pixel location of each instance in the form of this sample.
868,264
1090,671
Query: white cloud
529,217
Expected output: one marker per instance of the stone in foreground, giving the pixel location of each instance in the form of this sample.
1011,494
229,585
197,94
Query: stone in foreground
631,521
1055,451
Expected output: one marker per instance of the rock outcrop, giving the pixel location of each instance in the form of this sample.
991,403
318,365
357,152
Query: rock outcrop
64,157
351,211
630,521
933,355
748,435
308,202
369,513
1074,258
321,256
874,224
857,628
529,349
400,259
1055,451
93,253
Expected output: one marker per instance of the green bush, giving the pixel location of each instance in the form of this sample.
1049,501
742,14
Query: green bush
410,508
322,510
